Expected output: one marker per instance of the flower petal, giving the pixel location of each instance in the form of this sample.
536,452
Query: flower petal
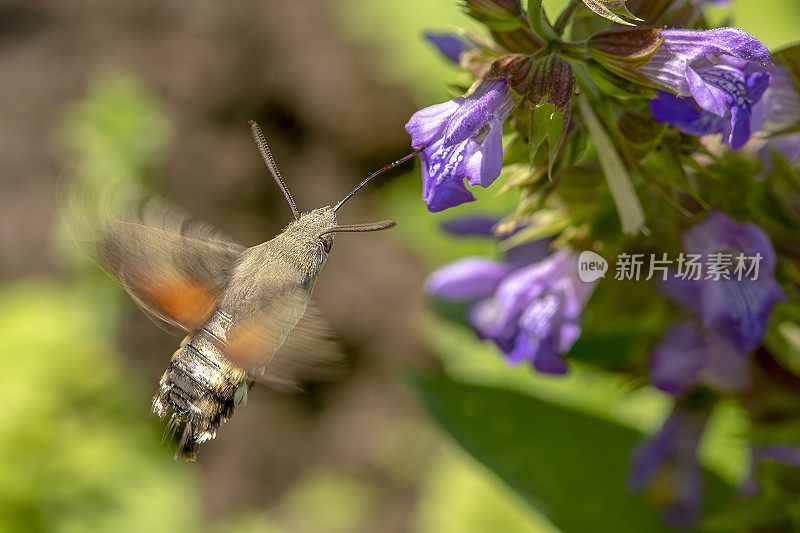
757,84
528,253
548,361
678,359
468,226
686,115
740,309
740,127
669,458
443,176
486,161
684,292
720,232
470,278
451,46
426,125
692,44
491,100
706,95
727,369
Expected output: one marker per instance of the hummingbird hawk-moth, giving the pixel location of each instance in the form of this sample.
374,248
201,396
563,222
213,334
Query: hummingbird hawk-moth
239,308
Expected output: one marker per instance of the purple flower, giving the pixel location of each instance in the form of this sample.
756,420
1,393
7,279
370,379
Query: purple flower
667,463
737,309
467,279
687,356
723,72
532,312
451,46
461,138
477,225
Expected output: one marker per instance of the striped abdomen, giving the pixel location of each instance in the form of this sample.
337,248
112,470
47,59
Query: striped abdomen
201,387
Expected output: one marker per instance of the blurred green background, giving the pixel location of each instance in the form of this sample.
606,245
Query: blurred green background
157,95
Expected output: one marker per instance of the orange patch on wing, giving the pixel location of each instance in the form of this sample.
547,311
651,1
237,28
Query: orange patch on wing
186,301
250,346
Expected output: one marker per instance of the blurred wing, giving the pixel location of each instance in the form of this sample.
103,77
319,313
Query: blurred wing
174,268
310,353
285,342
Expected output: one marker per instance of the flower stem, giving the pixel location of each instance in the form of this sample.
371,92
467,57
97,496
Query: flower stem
566,16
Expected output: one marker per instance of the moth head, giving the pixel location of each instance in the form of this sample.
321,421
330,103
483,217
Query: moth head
324,215
319,225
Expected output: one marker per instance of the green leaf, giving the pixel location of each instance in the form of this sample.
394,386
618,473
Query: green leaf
628,206
569,465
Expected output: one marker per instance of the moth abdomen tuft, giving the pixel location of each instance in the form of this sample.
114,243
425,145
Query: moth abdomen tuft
200,388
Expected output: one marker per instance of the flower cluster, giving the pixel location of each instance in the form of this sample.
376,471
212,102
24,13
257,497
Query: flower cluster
625,128
529,305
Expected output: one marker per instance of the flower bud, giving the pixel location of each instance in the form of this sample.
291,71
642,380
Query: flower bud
514,68
634,45
520,40
550,96
552,83
622,51
495,8
502,15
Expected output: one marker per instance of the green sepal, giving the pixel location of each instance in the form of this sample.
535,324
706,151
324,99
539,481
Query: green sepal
613,10
616,86
548,131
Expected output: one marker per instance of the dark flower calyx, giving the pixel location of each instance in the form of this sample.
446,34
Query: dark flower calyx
515,69
553,82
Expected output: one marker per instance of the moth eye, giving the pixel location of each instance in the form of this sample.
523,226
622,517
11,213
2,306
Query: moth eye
327,243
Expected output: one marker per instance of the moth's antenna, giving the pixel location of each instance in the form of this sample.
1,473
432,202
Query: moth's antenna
273,168
369,226
390,166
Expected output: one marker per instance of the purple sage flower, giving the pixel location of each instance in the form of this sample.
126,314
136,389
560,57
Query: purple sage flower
461,138
667,463
714,79
451,46
531,312
687,356
737,309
